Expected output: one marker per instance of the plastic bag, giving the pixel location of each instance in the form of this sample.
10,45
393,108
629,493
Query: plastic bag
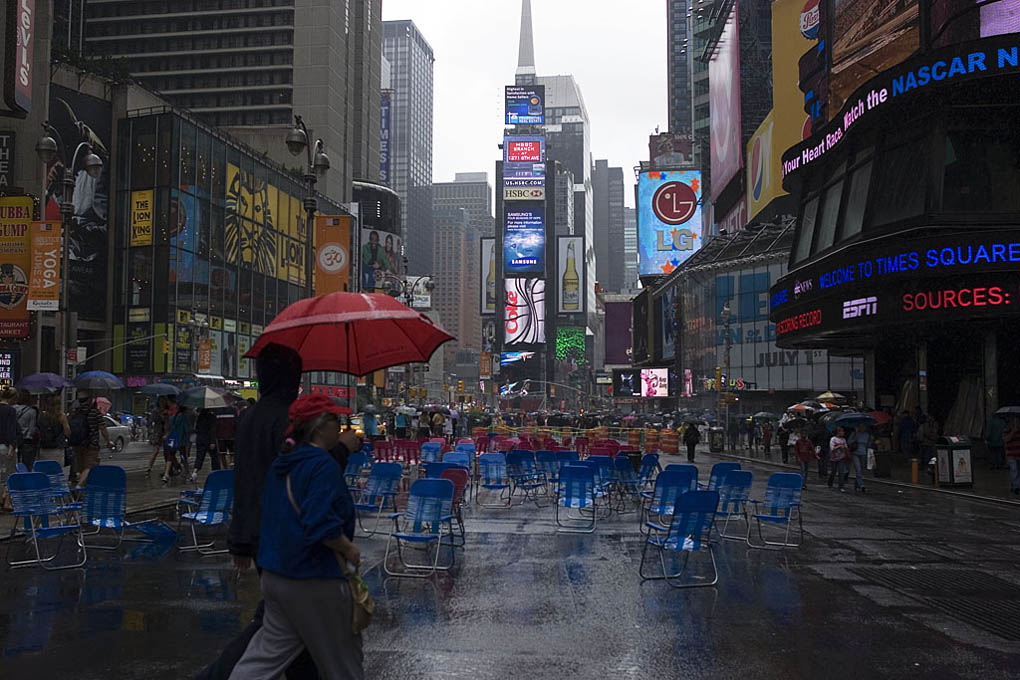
871,459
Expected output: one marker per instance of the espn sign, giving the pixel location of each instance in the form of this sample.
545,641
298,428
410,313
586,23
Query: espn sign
860,307
523,193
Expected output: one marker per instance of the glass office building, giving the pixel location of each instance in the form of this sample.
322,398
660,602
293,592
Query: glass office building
209,246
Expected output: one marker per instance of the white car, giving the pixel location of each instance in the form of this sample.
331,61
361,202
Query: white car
119,434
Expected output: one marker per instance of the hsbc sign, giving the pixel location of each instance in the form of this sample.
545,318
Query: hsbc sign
523,193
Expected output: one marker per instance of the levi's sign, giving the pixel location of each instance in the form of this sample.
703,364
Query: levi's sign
982,58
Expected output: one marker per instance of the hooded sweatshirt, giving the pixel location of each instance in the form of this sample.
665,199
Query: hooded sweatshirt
260,435
290,544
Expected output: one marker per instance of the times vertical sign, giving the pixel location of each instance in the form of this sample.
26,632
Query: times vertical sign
20,41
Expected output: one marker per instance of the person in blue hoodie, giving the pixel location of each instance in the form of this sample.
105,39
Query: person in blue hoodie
305,543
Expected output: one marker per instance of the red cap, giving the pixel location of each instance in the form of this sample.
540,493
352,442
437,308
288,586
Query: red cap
311,406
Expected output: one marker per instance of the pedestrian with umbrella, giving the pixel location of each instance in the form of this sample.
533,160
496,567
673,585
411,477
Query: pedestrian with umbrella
43,383
839,455
370,422
158,419
86,428
176,443
860,442
205,442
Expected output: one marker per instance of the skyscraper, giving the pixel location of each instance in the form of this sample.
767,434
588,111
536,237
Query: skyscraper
678,65
630,250
250,67
472,193
411,60
608,196
449,255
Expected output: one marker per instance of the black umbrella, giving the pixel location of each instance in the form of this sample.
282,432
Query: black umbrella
99,381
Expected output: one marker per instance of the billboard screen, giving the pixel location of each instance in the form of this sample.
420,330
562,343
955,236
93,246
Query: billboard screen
524,319
570,294
525,105
489,276
524,239
724,102
380,254
669,323
507,358
870,36
523,150
669,219
956,21
795,30
618,320
654,382
627,382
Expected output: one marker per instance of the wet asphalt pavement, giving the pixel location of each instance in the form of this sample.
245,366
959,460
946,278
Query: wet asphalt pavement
892,584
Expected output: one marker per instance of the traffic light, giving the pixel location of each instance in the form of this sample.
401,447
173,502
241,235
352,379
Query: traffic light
166,347
718,378
460,387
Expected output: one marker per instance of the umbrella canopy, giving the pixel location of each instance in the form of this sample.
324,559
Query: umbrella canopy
406,410
103,404
160,389
801,408
830,396
98,380
354,333
881,417
765,415
206,397
43,383
850,420
370,408
1008,411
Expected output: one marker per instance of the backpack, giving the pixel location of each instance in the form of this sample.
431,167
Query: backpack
79,422
51,433
28,428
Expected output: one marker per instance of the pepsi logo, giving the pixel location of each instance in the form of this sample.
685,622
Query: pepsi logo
805,129
809,20
757,169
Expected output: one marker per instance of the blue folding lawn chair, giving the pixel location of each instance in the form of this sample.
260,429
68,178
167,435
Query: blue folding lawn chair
58,484
524,476
492,476
461,458
548,466
779,509
719,472
689,530
603,472
105,507
648,470
692,470
378,495
626,484
577,491
356,462
213,510
658,503
565,458
20,468
421,524
733,494
430,452
34,505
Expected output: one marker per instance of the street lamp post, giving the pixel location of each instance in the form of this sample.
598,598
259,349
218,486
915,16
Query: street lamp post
726,381
297,140
400,287
49,148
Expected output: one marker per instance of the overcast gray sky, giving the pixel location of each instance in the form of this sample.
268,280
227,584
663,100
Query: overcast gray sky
615,50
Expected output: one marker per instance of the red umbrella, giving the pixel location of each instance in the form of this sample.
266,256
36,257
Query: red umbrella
354,333
881,417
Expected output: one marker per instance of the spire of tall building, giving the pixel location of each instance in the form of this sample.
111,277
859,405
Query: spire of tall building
526,55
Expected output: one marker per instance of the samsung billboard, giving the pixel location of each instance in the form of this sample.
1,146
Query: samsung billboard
669,219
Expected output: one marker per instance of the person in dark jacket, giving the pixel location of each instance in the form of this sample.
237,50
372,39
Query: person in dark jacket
205,442
691,439
306,541
261,431
10,435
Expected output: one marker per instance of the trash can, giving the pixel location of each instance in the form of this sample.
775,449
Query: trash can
953,461
635,459
715,439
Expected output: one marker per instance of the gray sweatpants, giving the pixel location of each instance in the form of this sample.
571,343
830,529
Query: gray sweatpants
312,613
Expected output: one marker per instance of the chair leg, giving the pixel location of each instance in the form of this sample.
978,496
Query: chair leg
715,573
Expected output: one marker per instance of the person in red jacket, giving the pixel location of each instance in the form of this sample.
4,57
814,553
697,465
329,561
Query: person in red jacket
804,450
